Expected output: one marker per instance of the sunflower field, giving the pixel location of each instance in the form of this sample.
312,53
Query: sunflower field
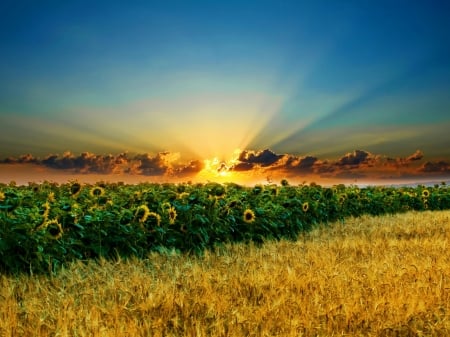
43,226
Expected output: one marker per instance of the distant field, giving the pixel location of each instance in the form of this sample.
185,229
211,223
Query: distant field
368,276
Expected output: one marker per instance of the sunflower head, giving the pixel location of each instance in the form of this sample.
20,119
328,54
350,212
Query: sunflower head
75,210
75,188
2,196
166,206
51,197
249,216
257,189
172,215
142,213
274,190
137,195
54,229
153,219
305,206
97,191
233,204
425,193
217,190
182,195
34,187
328,193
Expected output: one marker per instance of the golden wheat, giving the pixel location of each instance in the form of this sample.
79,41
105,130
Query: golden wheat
369,276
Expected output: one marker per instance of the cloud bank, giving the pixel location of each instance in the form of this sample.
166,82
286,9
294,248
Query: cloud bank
359,164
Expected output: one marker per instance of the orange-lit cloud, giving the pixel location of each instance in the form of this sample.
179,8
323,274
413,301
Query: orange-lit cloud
246,166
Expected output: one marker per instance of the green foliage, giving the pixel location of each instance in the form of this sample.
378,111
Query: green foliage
43,226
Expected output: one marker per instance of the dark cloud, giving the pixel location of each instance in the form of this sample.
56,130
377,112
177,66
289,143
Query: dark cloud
306,164
325,168
435,167
269,160
86,162
295,164
243,166
355,158
152,166
192,168
263,158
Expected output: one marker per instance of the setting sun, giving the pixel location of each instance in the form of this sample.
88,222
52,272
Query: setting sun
219,170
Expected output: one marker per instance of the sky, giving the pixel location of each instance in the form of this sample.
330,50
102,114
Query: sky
244,91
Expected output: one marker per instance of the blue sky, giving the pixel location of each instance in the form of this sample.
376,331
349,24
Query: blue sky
203,79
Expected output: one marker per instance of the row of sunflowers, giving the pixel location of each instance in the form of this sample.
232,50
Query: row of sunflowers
43,226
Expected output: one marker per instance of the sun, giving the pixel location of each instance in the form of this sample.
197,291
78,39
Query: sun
219,170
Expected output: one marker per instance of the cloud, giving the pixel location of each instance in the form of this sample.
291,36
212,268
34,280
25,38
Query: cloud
243,166
306,164
24,159
356,158
358,164
161,164
152,166
263,158
192,168
405,162
435,167
418,155
86,162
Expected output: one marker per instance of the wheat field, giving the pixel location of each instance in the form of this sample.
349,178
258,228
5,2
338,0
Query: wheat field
367,276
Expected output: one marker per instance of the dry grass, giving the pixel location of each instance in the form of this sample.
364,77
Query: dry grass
372,276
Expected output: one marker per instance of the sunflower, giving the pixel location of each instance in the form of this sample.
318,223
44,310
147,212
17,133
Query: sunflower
257,189
142,213
46,210
54,229
156,216
273,189
51,197
328,193
249,216
425,194
97,191
75,210
2,196
305,206
75,188
233,203
34,187
153,218
342,198
172,215
137,195
166,206
219,191
182,195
